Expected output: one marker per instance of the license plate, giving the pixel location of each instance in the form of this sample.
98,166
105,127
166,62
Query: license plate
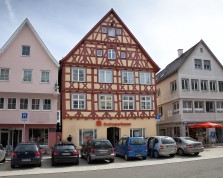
65,153
26,160
138,155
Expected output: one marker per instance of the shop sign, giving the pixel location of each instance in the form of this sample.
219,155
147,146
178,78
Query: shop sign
113,124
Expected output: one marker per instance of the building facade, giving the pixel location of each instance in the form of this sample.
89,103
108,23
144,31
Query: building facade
190,90
28,100
108,85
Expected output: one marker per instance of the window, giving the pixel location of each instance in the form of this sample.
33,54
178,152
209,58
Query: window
207,65
220,85
111,54
176,107
1,103
39,136
145,102
4,74
23,103
99,53
145,78
127,77
78,101
25,50
173,86
210,106
45,76
198,63
204,85
58,116
160,111
123,54
105,76
201,50
195,84
185,84
187,106
128,102
199,106
27,75
105,102
11,103
219,107
158,92
46,104
35,104
119,31
137,133
111,32
104,29
86,135
213,86
78,74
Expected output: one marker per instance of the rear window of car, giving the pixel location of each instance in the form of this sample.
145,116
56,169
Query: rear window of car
167,141
102,144
65,147
137,141
189,138
26,148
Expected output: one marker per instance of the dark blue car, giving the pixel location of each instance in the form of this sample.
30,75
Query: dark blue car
131,147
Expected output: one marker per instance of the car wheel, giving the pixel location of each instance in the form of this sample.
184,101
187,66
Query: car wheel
89,159
112,160
144,158
180,152
3,160
53,163
12,165
172,155
76,162
156,154
197,153
126,157
40,164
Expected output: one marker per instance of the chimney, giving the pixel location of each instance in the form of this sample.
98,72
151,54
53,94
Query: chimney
180,52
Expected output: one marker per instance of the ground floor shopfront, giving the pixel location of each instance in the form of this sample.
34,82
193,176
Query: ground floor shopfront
84,130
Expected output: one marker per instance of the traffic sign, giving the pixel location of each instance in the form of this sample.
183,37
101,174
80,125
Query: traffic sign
158,117
24,116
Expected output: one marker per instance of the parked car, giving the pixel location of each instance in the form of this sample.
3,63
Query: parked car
64,153
131,147
161,146
2,153
26,154
188,145
98,149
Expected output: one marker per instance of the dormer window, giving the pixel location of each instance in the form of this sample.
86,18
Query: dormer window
111,32
25,50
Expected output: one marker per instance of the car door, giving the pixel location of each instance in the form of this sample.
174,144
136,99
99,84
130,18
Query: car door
84,149
118,147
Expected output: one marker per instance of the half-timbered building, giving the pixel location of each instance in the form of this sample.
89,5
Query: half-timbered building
108,85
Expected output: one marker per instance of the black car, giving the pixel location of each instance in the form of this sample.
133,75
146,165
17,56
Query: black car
64,153
98,149
26,154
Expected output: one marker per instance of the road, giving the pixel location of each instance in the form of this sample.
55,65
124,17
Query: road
207,163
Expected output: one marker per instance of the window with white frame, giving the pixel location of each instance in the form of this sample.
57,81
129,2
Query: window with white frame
185,83
99,53
104,29
128,102
2,100
78,101
207,64
11,103
4,74
39,135
25,50
111,32
111,54
176,107
220,86
187,106
204,85
210,106
123,54
173,86
24,103
145,78
127,77
86,135
219,107
119,31
213,85
199,106
105,76
35,104
45,76
141,132
145,102
47,104
78,74
195,84
198,63
27,75
105,102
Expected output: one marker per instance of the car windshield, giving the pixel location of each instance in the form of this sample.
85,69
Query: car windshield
137,141
167,141
104,144
26,148
190,139
65,147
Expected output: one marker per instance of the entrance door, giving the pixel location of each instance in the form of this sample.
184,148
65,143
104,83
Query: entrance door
4,138
15,137
113,135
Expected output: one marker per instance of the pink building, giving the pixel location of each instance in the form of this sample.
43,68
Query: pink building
28,89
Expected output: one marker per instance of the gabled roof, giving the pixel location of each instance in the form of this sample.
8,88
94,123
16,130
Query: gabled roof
156,67
174,66
17,32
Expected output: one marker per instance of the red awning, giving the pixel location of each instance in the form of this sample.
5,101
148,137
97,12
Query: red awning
206,125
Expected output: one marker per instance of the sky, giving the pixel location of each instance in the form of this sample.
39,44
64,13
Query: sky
161,26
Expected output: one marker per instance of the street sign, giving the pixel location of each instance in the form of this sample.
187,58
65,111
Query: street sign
158,117
24,116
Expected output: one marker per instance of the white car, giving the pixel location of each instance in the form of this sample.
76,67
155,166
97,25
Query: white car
2,153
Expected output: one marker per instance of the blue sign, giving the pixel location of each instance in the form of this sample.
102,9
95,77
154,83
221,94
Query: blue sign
158,117
24,116
213,134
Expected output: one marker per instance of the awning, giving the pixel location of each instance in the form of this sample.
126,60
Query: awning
206,125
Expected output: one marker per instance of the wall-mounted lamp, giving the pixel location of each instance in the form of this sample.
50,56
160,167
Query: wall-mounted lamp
56,87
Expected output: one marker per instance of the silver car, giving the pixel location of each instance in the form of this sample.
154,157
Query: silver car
2,153
188,145
161,146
